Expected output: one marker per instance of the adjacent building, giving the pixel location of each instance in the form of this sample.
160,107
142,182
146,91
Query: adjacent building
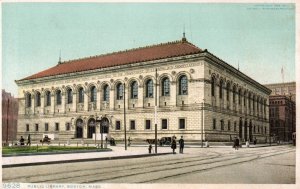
286,89
198,96
9,117
282,117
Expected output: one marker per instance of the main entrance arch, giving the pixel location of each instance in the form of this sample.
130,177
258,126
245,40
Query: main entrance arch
104,125
91,128
79,128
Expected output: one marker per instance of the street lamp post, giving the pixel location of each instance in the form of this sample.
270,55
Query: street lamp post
7,121
155,111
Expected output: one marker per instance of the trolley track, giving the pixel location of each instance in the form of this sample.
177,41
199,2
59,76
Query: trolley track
171,168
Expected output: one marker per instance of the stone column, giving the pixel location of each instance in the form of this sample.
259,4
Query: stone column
42,103
140,100
33,103
63,102
74,99
86,101
85,128
52,110
98,101
112,98
173,93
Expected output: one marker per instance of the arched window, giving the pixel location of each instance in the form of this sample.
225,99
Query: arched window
240,93
58,97
149,88
165,87
228,91
93,94
48,98
183,85
134,90
233,93
245,97
69,96
120,91
106,93
38,99
249,101
28,100
212,86
253,107
221,89
80,95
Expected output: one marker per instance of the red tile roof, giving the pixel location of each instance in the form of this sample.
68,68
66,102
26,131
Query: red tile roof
148,53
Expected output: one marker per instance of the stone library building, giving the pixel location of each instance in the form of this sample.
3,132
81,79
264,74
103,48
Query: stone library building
195,94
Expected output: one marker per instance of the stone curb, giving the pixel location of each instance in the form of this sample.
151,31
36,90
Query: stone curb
54,153
83,160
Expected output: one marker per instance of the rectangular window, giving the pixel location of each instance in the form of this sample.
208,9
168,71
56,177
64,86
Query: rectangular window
214,124
148,124
27,127
68,126
181,123
132,124
46,127
118,125
56,126
229,125
164,124
222,125
36,127
235,126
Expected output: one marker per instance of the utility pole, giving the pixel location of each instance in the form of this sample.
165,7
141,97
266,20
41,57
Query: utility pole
155,111
125,119
202,124
7,121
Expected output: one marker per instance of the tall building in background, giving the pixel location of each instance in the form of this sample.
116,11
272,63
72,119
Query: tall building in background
9,117
286,89
199,96
282,117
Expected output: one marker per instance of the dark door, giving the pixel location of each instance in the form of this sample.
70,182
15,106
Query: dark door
245,131
104,125
79,130
241,129
91,128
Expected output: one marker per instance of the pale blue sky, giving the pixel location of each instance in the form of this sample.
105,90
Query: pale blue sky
261,37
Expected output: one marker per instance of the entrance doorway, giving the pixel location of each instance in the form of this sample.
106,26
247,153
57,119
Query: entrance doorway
91,128
79,128
104,125
241,129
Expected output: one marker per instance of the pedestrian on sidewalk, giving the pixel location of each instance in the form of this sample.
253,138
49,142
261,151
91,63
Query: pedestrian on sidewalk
28,140
173,144
181,145
254,141
22,141
236,143
129,141
150,148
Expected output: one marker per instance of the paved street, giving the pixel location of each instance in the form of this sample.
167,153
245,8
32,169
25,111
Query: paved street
265,165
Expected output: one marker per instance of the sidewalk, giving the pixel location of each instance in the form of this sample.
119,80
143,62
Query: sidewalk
118,152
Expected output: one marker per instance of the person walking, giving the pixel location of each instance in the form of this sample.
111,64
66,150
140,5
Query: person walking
129,141
173,144
181,145
150,148
28,140
254,141
22,141
236,143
